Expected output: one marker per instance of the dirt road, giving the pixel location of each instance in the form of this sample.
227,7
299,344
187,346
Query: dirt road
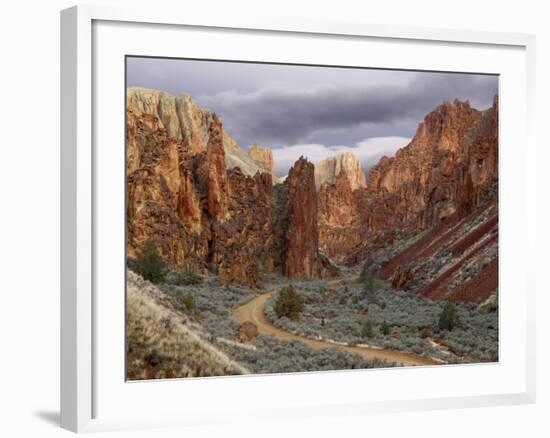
254,311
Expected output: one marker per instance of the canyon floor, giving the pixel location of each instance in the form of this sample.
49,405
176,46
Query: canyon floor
254,311
167,340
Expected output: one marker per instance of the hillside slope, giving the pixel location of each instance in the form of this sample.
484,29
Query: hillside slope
160,344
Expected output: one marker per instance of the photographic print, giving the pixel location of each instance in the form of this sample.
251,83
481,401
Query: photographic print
291,218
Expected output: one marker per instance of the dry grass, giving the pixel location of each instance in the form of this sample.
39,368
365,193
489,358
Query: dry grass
161,345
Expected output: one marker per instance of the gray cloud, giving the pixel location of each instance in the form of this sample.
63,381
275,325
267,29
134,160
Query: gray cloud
279,116
283,105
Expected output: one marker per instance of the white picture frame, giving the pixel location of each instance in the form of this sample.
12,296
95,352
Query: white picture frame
84,176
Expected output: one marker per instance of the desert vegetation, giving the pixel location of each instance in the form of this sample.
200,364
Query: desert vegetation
161,318
161,344
370,312
273,356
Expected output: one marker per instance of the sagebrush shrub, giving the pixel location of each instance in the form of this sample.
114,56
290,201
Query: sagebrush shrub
185,277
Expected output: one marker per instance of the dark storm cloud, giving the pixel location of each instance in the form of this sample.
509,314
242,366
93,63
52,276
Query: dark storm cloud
296,107
280,116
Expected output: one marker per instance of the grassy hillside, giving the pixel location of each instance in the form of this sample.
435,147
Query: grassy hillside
161,345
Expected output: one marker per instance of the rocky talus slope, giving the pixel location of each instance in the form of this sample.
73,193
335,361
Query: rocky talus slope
456,260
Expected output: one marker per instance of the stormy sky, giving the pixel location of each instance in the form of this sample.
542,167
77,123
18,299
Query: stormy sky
313,111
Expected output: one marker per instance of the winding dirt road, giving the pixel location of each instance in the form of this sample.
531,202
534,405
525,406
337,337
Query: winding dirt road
254,311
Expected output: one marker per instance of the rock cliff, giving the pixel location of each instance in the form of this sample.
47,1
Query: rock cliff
264,158
204,213
328,170
337,178
184,120
448,169
301,257
448,166
181,194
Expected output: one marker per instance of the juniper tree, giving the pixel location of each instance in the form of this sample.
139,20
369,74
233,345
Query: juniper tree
289,303
150,264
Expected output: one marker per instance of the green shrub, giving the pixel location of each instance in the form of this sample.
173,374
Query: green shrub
150,264
189,302
185,277
367,330
289,303
448,319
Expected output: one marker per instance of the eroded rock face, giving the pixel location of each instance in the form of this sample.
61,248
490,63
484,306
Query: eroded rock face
178,115
217,187
448,169
243,245
338,218
212,205
337,178
449,164
181,194
264,158
328,170
163,201
301,253
204,213
184,120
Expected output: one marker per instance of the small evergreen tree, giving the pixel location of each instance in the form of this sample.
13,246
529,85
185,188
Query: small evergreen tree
367,331
289,303
150,264
189,302
448,319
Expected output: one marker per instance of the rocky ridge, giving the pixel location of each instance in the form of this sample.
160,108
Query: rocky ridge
430,214
184,120
199,211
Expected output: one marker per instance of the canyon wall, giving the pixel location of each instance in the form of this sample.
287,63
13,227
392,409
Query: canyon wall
210,204
336,179
201,211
